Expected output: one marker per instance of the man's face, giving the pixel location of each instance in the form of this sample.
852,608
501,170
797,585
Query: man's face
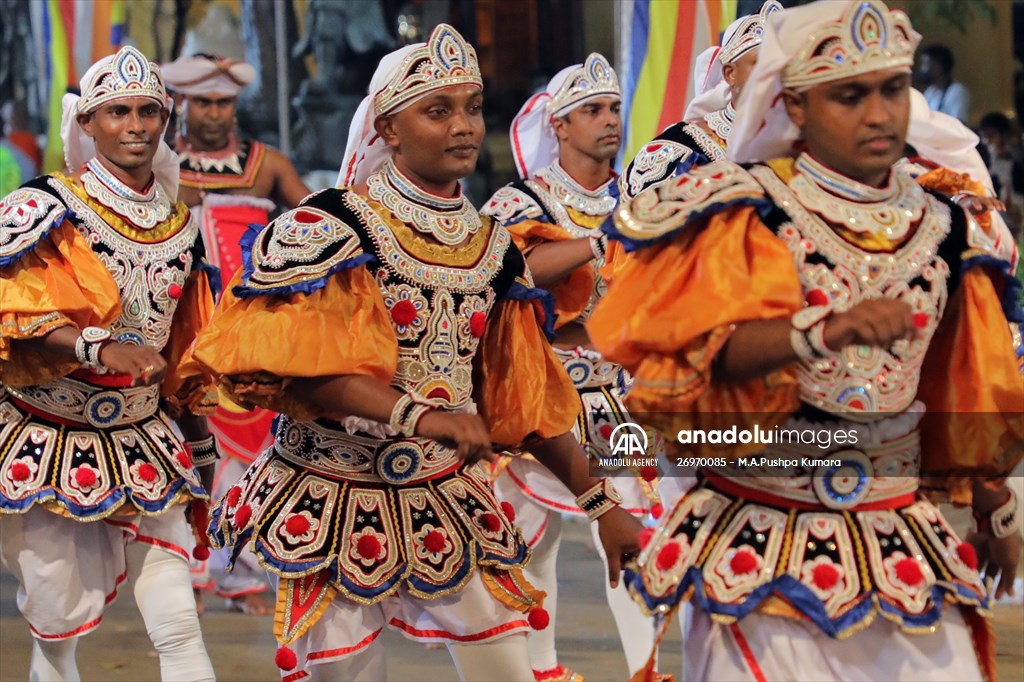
737,73
994,140
127,132
438,138
593,129
210,119
927,70
857,125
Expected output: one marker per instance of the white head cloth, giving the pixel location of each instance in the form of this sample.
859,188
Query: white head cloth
763,129
98,90
402,78
203,75
534,143
712,93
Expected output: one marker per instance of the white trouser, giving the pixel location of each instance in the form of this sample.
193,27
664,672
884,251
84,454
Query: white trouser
68,571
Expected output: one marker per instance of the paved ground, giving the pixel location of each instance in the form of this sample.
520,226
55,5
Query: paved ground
242,647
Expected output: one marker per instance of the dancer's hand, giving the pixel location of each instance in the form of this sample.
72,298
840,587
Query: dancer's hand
143,364
877,322
620,535
465,433
997,558
977,205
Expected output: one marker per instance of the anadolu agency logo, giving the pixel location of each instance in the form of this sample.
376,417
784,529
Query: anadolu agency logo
629,444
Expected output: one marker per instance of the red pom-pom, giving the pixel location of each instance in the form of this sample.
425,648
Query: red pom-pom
509,511
85,477
434,541
921,320
965,551
538,618
174,291
490,521
817,297
20,471
606,431
297,524
909,572
285,659
648,473
184,460
234,495
668,555
403,313
825,576
477,324
242,516
645,537
657,510
368,546
148,472
743,562
201,552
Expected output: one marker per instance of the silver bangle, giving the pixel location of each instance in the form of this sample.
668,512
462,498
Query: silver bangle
204,451
599,246
816,337
406,414
1004,521
88,345
599,500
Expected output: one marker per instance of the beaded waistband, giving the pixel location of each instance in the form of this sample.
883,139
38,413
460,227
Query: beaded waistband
83,403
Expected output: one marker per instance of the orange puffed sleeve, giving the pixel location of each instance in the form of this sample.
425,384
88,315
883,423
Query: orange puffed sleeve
670,309
186,385
573,292
256,345
521,389
971,385
60,282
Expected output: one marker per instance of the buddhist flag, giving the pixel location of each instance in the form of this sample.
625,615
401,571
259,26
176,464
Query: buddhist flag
661,40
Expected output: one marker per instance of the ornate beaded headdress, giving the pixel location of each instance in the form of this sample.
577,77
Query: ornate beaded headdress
128,74
868,37
594,78
748,33
446,59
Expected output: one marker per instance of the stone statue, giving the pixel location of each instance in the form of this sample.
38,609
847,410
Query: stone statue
343,36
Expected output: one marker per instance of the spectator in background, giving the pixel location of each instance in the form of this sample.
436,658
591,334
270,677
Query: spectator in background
935,70
1006,165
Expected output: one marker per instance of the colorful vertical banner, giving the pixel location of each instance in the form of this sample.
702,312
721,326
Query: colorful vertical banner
657,60
58,66
76,34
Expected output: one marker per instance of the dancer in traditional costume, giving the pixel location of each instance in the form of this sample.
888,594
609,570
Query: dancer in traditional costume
827,293
398,331
701,137
230,183
103,288
564,141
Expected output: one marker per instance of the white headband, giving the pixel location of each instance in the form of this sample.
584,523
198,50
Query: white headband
80,148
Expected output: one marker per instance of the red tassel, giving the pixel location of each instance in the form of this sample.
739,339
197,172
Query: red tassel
509,511
645,537
201,552
648,473
743,562
668,555
538,618
909,572
968,555
825,576
285,659
242,516
657,510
